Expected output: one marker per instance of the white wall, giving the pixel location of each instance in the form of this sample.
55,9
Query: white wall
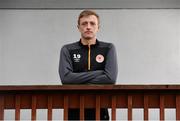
98,4
147,42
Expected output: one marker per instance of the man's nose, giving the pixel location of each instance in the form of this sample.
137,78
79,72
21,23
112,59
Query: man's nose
88,26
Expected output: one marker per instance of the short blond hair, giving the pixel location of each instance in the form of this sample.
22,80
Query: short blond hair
85,13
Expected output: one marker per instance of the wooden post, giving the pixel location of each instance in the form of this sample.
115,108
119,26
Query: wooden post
33,106
161,107
17,107
82,108
97,107
1,107
146,105
66,102
49,108
177,107
129,107
113,108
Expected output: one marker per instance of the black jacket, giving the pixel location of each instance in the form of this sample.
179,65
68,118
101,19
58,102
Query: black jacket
81,64
95,64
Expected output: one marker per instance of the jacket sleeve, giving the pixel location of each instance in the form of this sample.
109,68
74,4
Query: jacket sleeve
66,70
111,69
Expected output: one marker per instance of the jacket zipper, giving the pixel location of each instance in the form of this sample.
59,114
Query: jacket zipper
89,57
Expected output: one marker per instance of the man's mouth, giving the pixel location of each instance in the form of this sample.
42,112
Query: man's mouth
88,32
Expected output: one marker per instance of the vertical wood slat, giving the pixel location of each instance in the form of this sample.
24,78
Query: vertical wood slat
1,108
33,106
49,108
66,102
17,107
129,107
82,108
161,107
146,105
97,107
113,108
177,107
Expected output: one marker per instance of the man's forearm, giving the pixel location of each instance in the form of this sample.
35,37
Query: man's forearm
102,79
80,78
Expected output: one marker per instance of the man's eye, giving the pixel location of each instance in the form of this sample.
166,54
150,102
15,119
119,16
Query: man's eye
84,23
92,23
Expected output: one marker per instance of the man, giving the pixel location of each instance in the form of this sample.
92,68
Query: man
88,61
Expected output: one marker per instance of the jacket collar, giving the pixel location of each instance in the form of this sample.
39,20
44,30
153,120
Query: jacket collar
97,43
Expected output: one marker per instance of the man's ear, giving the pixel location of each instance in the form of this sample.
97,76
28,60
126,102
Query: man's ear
98,27
78,26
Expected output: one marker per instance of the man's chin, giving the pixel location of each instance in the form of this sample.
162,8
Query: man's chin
88,38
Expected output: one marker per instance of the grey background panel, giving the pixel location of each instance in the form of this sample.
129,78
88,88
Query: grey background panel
1,60
147,43
104,4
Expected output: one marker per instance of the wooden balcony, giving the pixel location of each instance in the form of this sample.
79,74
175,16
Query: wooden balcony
90,96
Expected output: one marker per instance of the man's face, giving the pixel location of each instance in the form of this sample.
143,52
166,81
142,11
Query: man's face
88,27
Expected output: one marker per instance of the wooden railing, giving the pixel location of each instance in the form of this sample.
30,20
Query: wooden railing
90,96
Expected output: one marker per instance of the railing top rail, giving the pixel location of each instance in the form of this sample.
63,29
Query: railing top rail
88,87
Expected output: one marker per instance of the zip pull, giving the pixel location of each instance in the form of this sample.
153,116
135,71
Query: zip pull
89,57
